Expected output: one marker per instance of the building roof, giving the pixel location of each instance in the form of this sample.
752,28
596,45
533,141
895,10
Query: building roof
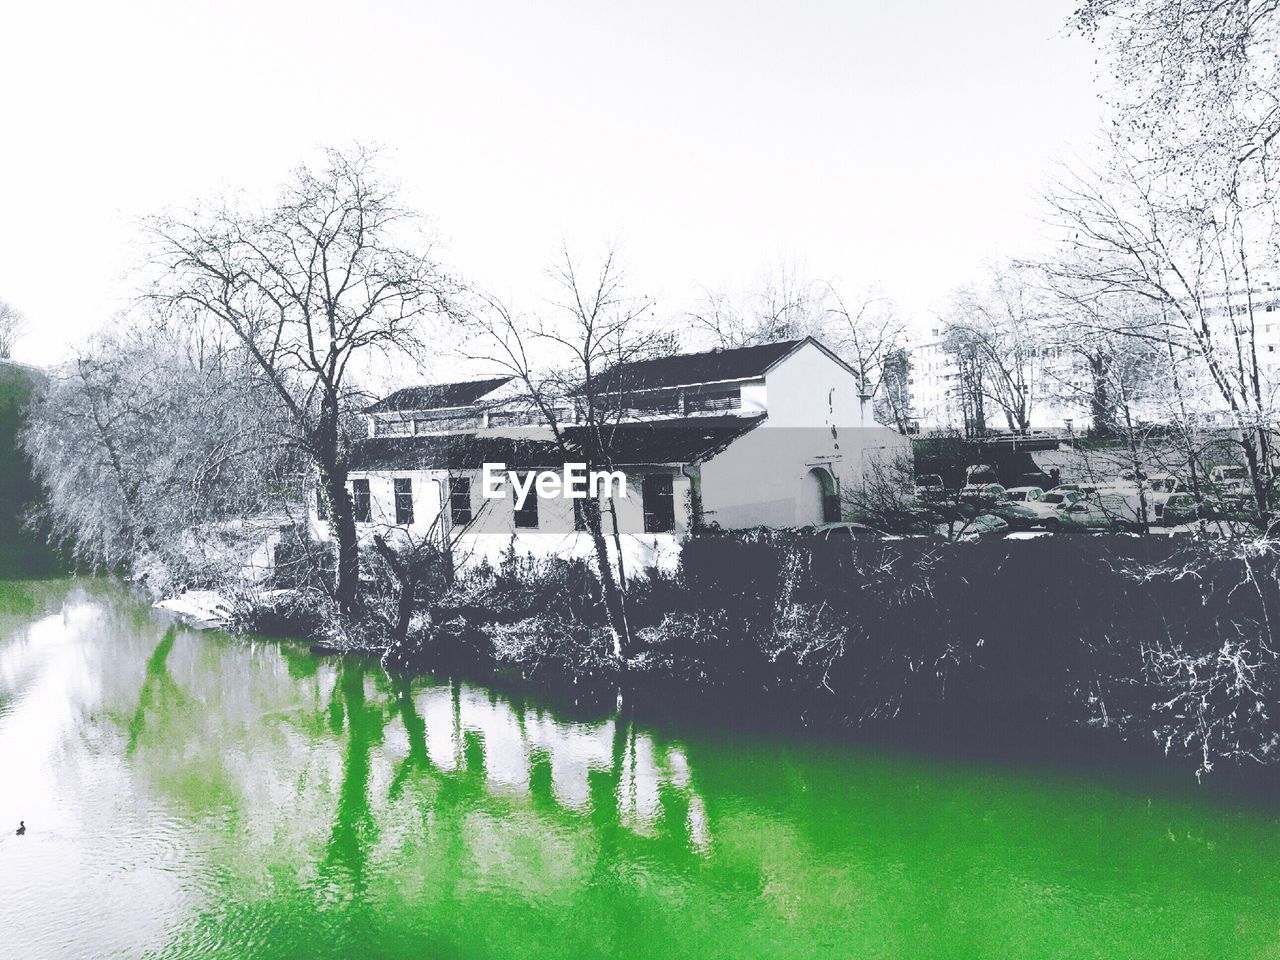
438,396
677,441
453,451
685,369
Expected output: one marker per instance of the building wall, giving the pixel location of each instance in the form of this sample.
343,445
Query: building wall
816,420
810,389
764,478
489,535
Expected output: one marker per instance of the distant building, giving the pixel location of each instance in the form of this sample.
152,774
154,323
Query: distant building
766,435
1062,382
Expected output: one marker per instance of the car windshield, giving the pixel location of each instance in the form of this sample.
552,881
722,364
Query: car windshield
1017,494
1055,498
929,480
1232,473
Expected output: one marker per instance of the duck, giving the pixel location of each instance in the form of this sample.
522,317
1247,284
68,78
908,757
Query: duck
22,827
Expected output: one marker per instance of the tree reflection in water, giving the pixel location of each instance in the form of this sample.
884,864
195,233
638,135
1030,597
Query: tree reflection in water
198,795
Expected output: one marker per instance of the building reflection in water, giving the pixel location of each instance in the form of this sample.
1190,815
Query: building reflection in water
515,740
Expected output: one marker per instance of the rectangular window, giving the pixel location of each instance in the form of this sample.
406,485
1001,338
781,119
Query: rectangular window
439,424
392,428
360,499
404,499
730,399
526,519
659,503
460,501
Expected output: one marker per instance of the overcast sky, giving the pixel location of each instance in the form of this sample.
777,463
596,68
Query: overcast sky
898,144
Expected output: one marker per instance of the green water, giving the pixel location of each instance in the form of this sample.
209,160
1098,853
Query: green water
195,795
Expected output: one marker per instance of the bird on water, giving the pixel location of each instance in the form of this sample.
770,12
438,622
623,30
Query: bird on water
22,827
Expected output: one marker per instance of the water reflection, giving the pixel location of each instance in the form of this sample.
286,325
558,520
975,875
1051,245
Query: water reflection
198,795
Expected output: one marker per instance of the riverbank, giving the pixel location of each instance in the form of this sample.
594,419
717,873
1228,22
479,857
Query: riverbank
1153,648
193,794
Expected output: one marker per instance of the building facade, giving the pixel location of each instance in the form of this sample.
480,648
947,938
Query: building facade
768,435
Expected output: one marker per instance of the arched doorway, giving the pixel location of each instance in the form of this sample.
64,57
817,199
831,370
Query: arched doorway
819,502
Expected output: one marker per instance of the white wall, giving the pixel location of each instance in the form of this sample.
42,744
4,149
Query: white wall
763,478
810,389
489,536
816,419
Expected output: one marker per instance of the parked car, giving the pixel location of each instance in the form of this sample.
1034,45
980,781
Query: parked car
988,492
972,524
1182,508
1108,510
1045,508
1230,506
1036,479
1179,508
1159,489
847,531
1227,479
929,487
980,473
1081,488
1017,507
1024,494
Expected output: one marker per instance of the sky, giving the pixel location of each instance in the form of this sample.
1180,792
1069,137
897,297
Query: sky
899,146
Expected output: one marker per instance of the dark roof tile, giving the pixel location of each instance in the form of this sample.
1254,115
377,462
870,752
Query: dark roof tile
438,396
739,363
632,444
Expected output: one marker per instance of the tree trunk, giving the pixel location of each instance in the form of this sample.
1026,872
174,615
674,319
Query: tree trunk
403,570
1255,477
1099,402
614,598
342,522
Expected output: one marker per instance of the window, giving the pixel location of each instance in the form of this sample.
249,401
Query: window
391,428
659,503
403,487
434,423
460,501
664,403
730,399
526,519
360,497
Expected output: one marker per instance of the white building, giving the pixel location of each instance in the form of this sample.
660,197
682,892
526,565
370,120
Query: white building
766,435
1061,380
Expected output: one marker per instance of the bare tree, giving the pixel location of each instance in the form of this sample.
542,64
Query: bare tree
1187,248
969,389
894,400
998,328
865,332
157,457
783,307
1199,76
13,324
571,361
330,276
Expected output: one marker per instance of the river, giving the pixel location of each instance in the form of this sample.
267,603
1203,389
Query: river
198,795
